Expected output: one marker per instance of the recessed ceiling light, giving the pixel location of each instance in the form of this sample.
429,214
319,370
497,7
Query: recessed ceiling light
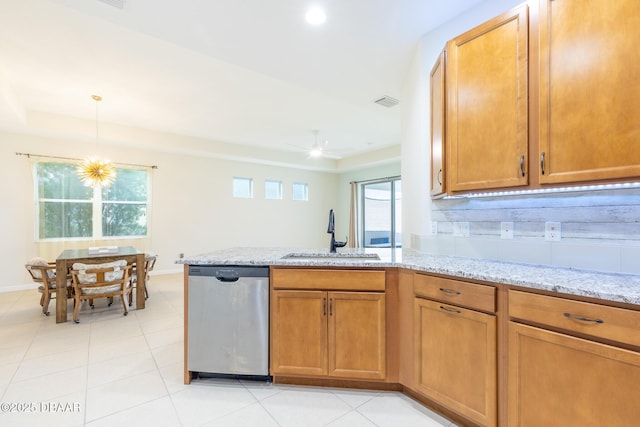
315,16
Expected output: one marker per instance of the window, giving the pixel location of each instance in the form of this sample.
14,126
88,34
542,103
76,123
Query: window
124,204
381,214
68,209
300,191
243,188
273,190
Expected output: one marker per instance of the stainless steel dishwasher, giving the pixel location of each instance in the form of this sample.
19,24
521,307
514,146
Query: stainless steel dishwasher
228,315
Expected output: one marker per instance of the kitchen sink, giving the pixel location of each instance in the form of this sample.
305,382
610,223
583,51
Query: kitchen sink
329,255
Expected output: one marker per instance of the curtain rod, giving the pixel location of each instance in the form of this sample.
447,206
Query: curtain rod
75,159
386,178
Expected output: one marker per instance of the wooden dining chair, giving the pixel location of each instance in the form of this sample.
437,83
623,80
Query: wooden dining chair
107,280
149,264
44,273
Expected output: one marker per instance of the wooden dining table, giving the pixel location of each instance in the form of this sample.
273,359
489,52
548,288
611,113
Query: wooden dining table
67,258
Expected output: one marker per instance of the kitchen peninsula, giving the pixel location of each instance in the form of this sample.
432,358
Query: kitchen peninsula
611,287
485,343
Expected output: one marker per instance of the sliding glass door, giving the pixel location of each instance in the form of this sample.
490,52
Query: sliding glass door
381,218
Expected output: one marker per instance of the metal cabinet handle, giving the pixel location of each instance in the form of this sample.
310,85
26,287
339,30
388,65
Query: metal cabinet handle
440,177
522,164
583,319
330,306
324,306
450,310
542,163
450,291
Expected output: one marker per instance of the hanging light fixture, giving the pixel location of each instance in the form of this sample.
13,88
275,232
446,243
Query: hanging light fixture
317,148
93,171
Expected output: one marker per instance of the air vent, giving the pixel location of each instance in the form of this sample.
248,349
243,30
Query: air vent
387,101
115,3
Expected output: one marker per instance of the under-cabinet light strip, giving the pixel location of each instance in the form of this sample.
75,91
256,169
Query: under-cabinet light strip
616,186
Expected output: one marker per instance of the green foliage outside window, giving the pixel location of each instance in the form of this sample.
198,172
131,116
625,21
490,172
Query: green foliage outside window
66,207
124,204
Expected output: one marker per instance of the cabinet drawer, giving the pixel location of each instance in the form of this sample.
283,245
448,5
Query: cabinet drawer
338,280
479,297
611,323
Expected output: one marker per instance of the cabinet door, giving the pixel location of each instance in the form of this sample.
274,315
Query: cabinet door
438,186
589,90
559,380
299,332
357,344
456,359
487,105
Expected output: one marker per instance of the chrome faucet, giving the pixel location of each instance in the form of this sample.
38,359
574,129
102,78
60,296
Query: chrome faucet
331,229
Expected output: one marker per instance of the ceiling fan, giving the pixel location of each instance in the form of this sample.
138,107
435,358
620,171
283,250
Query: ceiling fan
318,149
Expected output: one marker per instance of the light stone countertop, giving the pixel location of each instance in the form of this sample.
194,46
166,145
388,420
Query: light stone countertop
606,286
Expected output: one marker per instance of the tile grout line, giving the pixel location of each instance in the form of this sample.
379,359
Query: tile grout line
261,405
164,382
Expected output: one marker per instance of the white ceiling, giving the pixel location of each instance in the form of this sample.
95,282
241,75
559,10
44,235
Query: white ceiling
237,71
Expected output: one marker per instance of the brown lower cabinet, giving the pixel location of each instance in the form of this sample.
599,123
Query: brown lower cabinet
480,353
558,371
328,333
559,380
455,358
298,333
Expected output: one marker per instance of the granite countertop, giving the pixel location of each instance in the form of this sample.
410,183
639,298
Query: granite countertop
607,286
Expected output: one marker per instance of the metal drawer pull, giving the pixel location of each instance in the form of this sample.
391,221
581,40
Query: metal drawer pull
522,165
330,306
324,306
583,319
450,291
450,310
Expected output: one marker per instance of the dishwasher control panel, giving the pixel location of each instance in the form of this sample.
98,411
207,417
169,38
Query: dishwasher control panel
230,272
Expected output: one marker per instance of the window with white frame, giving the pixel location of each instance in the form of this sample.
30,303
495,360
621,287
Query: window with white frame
300,191
273,189
242,187
68,209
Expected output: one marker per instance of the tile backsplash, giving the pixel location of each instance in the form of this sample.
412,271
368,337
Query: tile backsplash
600,229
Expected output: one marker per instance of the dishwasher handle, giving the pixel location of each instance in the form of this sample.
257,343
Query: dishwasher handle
227,279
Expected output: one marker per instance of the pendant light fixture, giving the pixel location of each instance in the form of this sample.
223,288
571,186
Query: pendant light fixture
94,171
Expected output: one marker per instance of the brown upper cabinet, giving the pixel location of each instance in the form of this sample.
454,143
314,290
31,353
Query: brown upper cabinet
547,94
487,104
438,94
589,90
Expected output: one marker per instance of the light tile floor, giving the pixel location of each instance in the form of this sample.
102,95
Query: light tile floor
112,370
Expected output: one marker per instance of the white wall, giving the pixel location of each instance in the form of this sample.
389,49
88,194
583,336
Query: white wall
193,210
600,228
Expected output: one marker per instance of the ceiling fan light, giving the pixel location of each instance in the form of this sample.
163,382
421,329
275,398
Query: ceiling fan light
315,16
315,152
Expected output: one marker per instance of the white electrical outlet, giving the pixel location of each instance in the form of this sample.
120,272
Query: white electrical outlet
434,227
506,230
552,231
461,229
